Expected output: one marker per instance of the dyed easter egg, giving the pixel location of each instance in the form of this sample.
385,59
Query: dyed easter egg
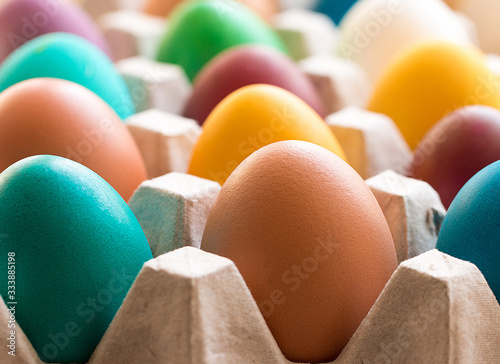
456,148
373,32
22,20
247,120
311,242
77,249
334,9
70,57
246,65
199,30
471,228
265,8
58,117
429,81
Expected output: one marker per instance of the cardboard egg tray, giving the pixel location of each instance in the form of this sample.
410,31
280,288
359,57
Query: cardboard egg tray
189,306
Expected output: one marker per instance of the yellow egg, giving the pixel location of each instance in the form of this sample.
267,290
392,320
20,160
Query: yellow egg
430,80
249,119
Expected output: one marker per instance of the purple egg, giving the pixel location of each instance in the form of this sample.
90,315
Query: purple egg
22,20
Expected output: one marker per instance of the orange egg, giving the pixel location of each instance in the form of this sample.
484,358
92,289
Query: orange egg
62,118
250,118
265,8
311,242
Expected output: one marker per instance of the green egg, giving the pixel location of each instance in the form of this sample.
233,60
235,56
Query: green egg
76,249
72,58
199,30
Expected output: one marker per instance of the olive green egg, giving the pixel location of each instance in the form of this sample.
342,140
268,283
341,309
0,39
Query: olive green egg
199,30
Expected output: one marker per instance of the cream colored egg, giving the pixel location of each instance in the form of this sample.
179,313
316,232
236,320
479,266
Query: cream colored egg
373,31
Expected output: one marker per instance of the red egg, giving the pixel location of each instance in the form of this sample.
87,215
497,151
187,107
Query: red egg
246,65
456,148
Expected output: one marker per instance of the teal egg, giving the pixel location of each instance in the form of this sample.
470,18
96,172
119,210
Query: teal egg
335,9
70,57
77,248
471,228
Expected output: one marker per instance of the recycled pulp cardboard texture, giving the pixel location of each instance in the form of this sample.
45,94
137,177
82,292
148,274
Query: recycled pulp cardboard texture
165,140
340,83
412,209
372,142
154,84
193,307
173,210
132,33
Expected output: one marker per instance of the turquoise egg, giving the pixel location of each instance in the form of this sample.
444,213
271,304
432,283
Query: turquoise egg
70,57
76,249
335,9
471,228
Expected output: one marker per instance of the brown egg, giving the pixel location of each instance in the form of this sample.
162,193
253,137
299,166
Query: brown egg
265,8
311,242
58,117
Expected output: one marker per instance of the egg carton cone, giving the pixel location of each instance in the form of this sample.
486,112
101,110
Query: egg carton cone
165,140
97,8
306,33
339,82
132,33
413,210
193,307
173,210
155,85
371,142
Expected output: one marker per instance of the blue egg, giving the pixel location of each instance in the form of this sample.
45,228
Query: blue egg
471,228
335,9
72,58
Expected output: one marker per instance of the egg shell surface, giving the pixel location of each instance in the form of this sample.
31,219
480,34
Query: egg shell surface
245,65
77,250
311,242
471,228
250,118
266,9
22,20
58,117
199,30
69,57
456,148
429,81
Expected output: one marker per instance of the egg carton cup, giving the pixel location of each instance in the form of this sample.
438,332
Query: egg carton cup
193,307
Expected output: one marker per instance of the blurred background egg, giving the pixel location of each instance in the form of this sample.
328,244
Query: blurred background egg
247,120
78,248
471,228
311,242
484,15
334,9
201,29
70,57
373,32
246,65
429,81
456,148
266,9
52,116
22,20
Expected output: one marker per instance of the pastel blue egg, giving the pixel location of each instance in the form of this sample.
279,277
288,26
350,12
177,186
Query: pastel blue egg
471,228
335,9
76,248
70,57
